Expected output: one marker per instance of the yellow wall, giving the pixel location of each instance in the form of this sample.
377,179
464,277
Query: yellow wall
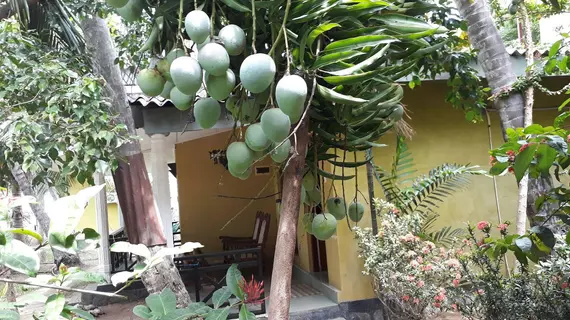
442,135
89,218
202,212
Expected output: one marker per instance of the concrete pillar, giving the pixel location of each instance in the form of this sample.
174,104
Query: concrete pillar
159,150
103,228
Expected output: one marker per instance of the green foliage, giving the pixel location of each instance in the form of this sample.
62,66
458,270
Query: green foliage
54,113
425,192
162,306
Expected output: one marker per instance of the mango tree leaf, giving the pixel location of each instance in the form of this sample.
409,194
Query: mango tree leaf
315,33
245,314
9,315
218,314
236,5
358,42
19,257
139,249
334,96
27,232
162,303
523,160
221,296
142,312
233,281
54,306
332,58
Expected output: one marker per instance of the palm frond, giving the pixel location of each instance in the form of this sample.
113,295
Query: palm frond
445,235
52,21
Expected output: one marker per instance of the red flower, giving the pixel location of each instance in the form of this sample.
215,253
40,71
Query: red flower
502,227
564,285
437,305
456,282
252,291
482,225
492,160
406,298
511,155
511,170
524,146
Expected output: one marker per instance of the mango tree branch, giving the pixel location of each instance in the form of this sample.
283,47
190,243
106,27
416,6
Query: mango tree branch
50,286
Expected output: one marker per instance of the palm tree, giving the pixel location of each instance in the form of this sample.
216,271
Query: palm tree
495,62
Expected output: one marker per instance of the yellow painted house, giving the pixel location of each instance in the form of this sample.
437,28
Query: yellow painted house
89,218
209,196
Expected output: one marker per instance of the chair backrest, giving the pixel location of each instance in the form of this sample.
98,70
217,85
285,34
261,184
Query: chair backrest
265,218
258,218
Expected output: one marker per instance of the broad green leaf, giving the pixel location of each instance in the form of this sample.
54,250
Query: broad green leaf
245,314
524,243
334,96
85,277
358,43
139,249
568,238
91,234
2,239
54,306
521,257
80,313
179,314
162,303
498,168
407,24
221,296
236,5
142,312
19,257
332,58
121,277
218,314
198,309
545,235
66,212
185,248
9,315
233,281
523,160
318,31
545,156
553,51
534,129
27,232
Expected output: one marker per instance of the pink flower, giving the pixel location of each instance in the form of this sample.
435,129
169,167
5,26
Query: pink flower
416,301
406,298
502,227
480,291
568,138
482,225
425,250
454,307
437,305
442,252
411,278
427,267
420,284
414,263
420,260
453,263
458,276
467,242
456,283
564,285
430,244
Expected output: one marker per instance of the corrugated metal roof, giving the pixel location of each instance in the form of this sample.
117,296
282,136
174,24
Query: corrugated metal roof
515,52
136,97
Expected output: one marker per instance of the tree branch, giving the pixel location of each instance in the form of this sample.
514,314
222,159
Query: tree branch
6,10
49,286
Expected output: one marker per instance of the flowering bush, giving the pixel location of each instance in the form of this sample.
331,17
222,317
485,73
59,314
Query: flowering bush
411,276
538,292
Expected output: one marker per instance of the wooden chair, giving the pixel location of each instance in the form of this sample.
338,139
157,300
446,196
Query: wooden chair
258,238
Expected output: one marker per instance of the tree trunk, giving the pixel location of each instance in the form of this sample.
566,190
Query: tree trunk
131,178
280,294
496,64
